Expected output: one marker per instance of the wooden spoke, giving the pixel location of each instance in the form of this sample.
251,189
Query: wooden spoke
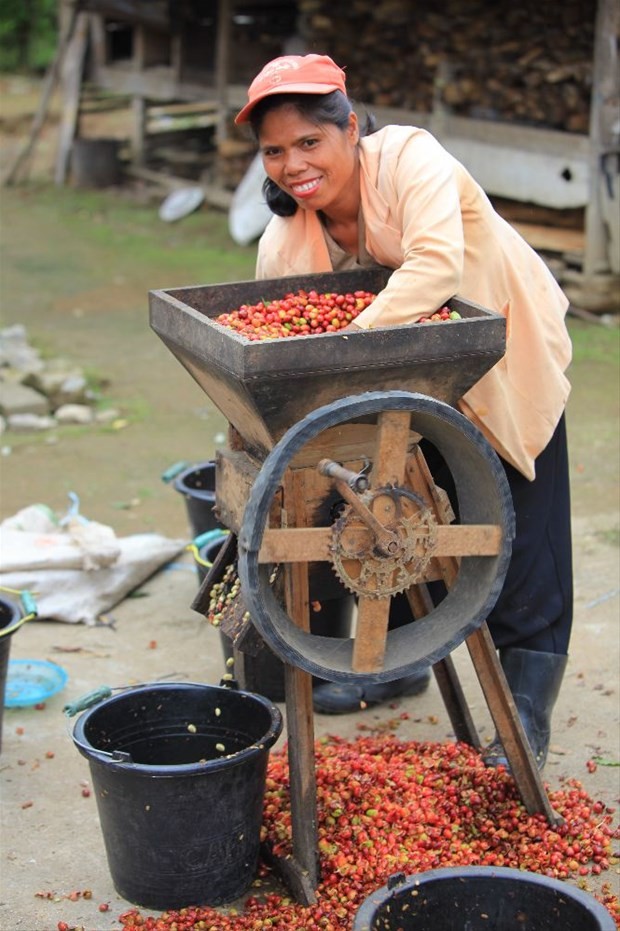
312,544
468,540
371,633
296,544
393,438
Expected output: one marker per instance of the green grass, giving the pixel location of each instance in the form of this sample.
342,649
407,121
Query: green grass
594,343
130,241
611,537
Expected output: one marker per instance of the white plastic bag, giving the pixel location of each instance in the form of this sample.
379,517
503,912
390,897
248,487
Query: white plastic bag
77,569
77,546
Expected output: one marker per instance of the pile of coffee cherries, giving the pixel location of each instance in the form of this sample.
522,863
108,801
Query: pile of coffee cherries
440,316
386,806
301,314
306,313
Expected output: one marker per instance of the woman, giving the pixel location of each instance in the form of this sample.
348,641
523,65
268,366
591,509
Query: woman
395,197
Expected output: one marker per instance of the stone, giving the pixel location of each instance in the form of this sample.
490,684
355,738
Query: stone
21,399
10,374
30,423
16,352
74,413
107,415
59,382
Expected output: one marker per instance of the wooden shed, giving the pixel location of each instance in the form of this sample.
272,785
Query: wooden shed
526,96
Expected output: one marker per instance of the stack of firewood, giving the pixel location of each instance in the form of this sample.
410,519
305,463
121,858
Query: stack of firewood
526,62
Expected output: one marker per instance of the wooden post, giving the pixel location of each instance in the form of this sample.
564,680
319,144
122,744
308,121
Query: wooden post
603,116
299,714
224,20
176,56
71,90
97,42
68,17
138,107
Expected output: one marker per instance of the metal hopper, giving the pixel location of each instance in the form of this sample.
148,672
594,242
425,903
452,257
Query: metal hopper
263,388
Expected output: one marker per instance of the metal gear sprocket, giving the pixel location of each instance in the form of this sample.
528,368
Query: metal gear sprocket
359,563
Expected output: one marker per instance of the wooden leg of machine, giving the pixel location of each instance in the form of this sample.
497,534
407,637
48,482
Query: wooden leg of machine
455,702
488,670
301,872
508,724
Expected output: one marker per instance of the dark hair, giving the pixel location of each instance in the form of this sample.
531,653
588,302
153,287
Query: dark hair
334,108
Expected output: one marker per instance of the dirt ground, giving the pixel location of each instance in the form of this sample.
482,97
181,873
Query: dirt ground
73,275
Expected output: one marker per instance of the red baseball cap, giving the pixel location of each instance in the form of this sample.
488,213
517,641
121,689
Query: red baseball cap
293,74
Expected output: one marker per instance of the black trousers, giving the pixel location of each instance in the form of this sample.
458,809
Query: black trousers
535,608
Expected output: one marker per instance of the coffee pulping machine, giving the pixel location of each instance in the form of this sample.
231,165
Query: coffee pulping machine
325,470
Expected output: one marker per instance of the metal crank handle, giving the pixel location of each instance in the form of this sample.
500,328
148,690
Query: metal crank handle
386,541
355,480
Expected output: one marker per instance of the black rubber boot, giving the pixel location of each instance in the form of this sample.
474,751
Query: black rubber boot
344,698
534,679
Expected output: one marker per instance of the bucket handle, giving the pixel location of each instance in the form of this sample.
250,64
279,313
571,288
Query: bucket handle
96,695
174,470
28,605
210,536
116,756
87,700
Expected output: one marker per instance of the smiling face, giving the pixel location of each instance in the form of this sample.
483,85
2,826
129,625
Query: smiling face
317,164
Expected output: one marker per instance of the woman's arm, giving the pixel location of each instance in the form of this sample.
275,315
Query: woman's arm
420,186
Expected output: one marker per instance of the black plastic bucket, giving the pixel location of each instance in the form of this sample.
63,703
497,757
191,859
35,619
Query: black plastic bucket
10,620
207,546
480,898
178,770
204,557
197,485
264,672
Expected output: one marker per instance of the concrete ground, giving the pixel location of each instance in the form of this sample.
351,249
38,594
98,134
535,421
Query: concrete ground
52,843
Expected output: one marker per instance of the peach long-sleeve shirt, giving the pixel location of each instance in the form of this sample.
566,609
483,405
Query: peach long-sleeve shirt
429,220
